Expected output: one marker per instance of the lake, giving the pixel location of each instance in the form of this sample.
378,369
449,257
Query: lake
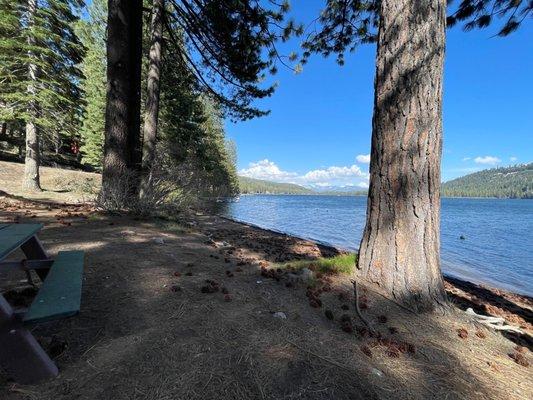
497,249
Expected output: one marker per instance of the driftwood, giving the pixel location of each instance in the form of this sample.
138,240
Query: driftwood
496,323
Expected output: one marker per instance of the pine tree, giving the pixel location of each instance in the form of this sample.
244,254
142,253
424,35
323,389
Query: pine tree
31,179
92,33
38,57
224,48
122,150
153,78
400,248
192,134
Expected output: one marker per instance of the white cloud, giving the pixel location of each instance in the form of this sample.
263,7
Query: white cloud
330,173
489,160
363,185
327,176
363,158
467,158
513,158
267,170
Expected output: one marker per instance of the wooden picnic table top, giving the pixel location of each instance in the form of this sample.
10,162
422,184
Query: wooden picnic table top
12,236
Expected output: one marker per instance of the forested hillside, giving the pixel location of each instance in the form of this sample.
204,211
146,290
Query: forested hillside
257,186
510,182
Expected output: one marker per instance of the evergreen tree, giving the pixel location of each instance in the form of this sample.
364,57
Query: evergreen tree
38,56
224,49
400,248
122,150
153,78
92,33
192,135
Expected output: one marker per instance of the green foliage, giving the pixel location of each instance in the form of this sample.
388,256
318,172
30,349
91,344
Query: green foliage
346,24
192,155
92,33
510,182
229,46
341,264
481,13
192,134
47,40
258,186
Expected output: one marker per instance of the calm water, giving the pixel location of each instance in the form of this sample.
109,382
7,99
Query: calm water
497,249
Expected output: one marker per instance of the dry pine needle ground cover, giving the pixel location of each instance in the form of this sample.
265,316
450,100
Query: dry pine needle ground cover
185,310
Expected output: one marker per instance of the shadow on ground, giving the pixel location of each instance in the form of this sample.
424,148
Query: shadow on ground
145,333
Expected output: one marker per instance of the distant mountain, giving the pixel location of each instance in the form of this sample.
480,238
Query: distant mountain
258,186
507,182
339,191
348,190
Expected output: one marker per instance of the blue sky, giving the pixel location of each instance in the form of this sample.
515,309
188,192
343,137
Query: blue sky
320,120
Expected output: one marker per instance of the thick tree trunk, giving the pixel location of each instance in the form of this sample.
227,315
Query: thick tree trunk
122,150
152,94
400,249
31,180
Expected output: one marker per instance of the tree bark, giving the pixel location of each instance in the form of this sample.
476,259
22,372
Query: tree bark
31,179
122,150
400,248
152,94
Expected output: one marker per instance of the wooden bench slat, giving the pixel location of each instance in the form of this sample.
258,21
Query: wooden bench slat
60,295
14,235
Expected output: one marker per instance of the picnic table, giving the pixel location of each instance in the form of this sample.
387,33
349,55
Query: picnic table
59,297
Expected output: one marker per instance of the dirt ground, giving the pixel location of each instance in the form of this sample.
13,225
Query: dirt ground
186,310
60,185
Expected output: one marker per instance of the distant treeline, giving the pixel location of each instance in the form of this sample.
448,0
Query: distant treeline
514,182
258,186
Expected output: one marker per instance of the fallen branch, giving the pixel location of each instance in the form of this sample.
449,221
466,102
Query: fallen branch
496,323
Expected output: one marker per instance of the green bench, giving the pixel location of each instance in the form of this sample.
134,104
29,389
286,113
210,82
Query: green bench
58,297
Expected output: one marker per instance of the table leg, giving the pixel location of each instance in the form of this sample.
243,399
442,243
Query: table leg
20,354
33,250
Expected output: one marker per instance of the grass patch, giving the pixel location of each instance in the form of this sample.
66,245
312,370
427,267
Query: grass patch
341,264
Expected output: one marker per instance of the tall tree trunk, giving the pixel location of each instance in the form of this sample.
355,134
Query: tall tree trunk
57,142
31,180
152,94
122,150
400,249
3,130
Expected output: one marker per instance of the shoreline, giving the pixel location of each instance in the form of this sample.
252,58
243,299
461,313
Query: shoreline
198,296
340,194
516,308
447,276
